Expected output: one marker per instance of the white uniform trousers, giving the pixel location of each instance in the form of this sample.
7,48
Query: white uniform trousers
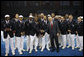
77,40
36,42
47,40
28,42
64,40
43,42
22,42
16,42
12,44
72,37
81,42
7,44
69,39
31,42
19,43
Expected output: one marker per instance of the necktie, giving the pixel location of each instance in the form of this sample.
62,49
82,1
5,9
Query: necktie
51,26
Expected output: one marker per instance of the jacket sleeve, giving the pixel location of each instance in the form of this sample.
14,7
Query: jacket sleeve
57,27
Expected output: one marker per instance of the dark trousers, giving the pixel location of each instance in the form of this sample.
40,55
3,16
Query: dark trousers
52,39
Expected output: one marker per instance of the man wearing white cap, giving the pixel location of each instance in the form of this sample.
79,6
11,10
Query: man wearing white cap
48,15
22,32
31,32
8,34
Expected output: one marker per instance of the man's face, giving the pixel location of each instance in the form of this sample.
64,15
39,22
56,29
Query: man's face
62,18
79,19
53,15
20,18
50,19
36,18
7,18
30,18
70,17
17,16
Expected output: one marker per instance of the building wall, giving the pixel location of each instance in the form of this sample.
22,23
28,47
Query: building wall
25,7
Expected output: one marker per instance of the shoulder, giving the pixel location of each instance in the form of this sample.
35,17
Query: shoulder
55,22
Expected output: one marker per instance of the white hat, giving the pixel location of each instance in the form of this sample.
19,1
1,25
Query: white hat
7,15
81,17
42,14
49,15
20,16
30,16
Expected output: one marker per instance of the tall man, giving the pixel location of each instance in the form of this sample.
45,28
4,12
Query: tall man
80,33
47,39
63,29
18,28
27,33
14,32
22,32
54,33
40,20
31,32
42,32
37,31
8,34
71,29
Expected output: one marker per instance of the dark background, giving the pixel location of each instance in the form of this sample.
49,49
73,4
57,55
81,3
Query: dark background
26,7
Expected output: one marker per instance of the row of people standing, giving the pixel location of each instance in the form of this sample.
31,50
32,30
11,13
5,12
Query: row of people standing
18,28
41,31
71,29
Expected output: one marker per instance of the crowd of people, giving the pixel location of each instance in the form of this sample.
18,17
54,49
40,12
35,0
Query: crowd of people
44,31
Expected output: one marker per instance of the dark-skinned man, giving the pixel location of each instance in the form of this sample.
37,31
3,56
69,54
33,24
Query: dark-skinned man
8,34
